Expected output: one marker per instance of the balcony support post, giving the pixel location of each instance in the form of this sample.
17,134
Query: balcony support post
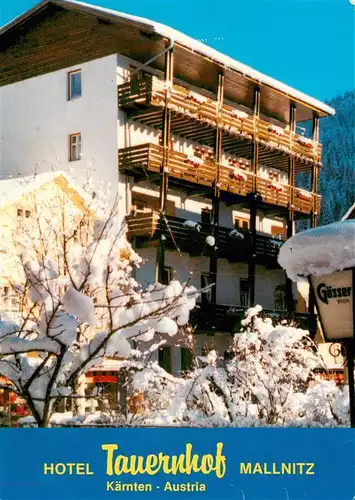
315,170
312,321
290,303
216,192
164,172
254,198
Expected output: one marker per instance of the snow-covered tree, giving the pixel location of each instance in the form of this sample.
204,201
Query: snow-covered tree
71,274
270,377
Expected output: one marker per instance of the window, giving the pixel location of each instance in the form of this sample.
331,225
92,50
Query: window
23,214
82,225
278,232
74,84
139,205
280,298
168,275
165,358
8,300
244,292
241,223
206,216
74,147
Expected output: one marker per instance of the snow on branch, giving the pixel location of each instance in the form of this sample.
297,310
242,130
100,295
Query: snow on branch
269,378
71,274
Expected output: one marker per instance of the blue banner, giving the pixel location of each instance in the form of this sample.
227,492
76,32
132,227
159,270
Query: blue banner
245,464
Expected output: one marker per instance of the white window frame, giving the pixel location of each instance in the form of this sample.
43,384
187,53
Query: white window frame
70,89
75,147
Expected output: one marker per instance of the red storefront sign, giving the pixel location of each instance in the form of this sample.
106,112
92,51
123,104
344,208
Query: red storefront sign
99,378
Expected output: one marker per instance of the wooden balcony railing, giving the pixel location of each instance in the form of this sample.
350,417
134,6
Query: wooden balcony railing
178,231
225,318
149,157
150,93
143,224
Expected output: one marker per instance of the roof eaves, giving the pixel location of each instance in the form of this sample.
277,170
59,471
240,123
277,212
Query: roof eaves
184,41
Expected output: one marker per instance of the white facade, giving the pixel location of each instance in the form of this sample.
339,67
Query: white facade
37,120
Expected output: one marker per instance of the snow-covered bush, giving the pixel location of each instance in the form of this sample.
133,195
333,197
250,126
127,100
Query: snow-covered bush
78,303
269,378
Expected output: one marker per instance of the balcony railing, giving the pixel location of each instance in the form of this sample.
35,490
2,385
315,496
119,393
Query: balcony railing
232,245
149,158
225,318
149,93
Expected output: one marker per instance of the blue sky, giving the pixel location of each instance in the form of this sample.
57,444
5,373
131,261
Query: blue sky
308,44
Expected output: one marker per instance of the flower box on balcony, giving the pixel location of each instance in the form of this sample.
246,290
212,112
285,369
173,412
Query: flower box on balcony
276,186
203,152
241,115
305,141
274,129
304,195
194,161
238,175
240,163
195,97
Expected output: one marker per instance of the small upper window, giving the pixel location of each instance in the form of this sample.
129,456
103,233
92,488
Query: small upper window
74,84
241,223
206,216
168,275
139,205
243,292
23,214
206,297
74,147
280,298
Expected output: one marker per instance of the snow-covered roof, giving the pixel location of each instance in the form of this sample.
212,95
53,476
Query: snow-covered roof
319,251
186,41
14,189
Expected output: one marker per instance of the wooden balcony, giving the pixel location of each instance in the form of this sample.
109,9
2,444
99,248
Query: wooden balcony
225,318
147,158
194,117
144,226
